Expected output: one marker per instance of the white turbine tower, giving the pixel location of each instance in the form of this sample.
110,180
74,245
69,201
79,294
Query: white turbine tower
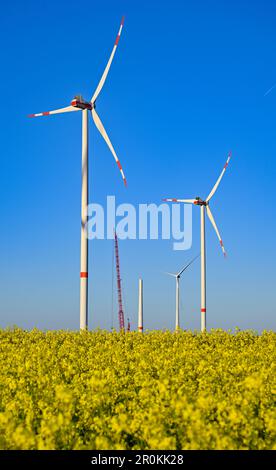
177,292
204,206
140,307
79,104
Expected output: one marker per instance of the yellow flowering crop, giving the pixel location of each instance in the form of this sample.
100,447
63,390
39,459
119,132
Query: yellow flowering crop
158,390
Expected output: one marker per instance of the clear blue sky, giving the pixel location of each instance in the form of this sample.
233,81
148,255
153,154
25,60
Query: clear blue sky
187,84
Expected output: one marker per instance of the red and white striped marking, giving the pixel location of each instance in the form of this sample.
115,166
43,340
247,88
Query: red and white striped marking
106,70
84,274
121,170
120,31
68,109
187,201
222,247
173,199
228,160
39,114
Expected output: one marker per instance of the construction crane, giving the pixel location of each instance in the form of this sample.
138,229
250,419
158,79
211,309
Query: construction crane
119,287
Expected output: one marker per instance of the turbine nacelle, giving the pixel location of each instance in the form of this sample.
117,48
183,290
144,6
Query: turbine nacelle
79,102
199,202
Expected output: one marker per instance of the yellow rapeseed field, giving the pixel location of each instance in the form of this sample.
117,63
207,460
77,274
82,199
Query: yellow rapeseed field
158,390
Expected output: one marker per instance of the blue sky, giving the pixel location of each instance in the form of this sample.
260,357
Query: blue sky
186,86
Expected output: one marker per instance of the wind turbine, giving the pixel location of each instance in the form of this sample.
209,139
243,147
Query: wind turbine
79,104
204,206
177,293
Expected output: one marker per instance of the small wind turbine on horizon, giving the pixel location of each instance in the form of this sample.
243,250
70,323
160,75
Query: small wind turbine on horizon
79,104
177,291
204,206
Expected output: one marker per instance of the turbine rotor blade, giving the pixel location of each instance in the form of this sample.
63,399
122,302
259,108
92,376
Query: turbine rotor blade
106,70
102,131
212,220
188,201
187,265
68,109
219,179
170,274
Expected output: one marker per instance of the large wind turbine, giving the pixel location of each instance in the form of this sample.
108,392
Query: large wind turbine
79,104
204,206
177,293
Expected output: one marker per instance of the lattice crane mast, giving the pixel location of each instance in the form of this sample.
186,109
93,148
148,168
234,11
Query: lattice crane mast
119,287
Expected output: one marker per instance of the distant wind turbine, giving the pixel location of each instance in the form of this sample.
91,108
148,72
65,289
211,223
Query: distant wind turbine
204,206
177,291
79,104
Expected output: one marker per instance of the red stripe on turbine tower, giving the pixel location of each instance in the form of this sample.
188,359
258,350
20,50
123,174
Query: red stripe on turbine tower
83,274
203,310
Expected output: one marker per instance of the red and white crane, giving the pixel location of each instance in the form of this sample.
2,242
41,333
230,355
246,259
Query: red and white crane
119,286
